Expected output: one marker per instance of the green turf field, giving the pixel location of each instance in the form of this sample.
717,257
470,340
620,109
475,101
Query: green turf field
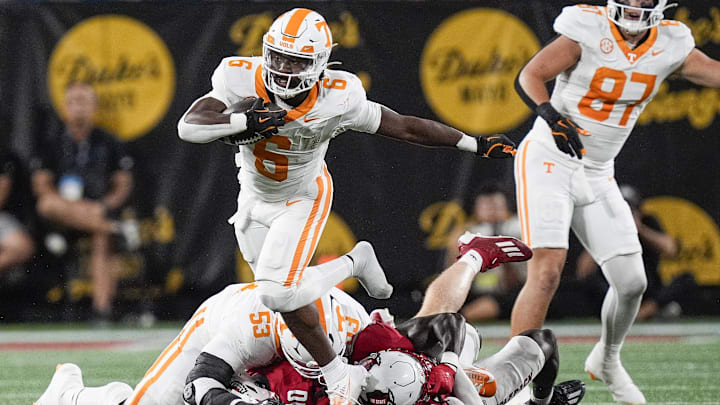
677,371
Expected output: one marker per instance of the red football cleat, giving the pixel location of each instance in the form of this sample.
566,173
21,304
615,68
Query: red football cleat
494,250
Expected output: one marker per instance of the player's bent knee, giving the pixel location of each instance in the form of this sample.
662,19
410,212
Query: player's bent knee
545,338
278,297
548,280
627,275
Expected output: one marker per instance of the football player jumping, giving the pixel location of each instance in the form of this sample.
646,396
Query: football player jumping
608,63
287,190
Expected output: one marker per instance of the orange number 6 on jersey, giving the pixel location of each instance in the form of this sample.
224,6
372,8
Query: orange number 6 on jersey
338,84
241,63
280,161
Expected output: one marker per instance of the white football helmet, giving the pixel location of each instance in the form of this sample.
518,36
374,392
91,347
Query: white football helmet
295,353
397,377
296,50
636,19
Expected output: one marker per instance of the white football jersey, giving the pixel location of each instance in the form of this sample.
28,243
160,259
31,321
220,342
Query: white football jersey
240,329
354,317
283,166
611,84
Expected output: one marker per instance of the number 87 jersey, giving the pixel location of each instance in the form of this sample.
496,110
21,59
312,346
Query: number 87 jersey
611,84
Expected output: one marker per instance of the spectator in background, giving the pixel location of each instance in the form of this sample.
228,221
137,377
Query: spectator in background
81,180
493,293
16,245
655,244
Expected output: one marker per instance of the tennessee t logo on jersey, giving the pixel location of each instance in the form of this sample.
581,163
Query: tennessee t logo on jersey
549,166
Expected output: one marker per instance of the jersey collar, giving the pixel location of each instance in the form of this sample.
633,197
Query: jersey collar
633,55
296,112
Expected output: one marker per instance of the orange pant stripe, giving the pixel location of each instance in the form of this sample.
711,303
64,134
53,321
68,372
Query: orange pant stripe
148,383
304,237
318,228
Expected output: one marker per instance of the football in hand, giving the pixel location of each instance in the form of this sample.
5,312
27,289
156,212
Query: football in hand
246,137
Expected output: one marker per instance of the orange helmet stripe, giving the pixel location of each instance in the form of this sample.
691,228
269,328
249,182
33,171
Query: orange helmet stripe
293,26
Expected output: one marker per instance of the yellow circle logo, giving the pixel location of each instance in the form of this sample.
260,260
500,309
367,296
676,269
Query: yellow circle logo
468,70
127,64
699,238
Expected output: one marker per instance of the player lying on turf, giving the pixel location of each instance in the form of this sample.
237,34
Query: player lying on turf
229,332
212,375
418,361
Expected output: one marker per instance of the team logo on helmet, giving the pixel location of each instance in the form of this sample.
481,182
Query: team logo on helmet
397,377
296,50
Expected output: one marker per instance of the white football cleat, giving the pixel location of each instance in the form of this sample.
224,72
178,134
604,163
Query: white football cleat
613,374
67,376
368,271
348,389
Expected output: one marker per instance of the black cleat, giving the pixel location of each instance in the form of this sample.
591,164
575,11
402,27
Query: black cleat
566,393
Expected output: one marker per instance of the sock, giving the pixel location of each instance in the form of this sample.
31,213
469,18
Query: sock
333,371
626,276
473,260
109,394
541,396
318,280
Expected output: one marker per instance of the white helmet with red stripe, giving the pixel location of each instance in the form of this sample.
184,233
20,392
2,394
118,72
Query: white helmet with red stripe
296,50
636,19
396,377
331,320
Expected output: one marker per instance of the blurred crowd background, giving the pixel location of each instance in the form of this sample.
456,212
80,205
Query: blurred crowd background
106,215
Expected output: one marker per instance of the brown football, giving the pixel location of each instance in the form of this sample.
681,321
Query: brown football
241,106
246,137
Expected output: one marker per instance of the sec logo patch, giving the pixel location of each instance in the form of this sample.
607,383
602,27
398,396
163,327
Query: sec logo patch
606,45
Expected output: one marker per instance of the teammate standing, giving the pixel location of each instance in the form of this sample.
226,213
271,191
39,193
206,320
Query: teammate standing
287,190
608,63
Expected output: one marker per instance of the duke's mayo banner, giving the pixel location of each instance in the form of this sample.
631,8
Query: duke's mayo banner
454,62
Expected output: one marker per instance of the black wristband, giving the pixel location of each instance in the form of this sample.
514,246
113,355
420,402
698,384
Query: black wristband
481,145
548,113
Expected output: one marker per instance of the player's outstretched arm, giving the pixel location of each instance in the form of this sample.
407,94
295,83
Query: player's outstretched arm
555,58
432,133
701,69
